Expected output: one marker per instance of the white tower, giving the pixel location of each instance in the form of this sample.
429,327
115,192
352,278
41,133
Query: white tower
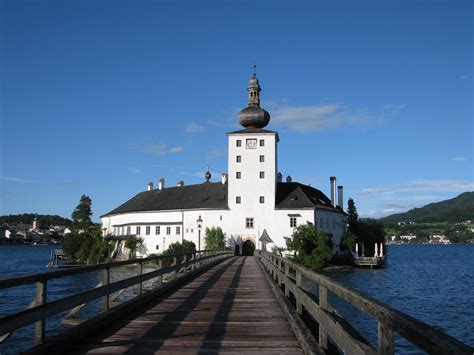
252,170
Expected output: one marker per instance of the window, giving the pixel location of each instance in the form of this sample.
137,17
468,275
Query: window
129,230
238,175
220,217
147,230
238,158
262,158
237,199
262,174
178,230
157,247
192,230
249,223
138,230
238,143
157,230
262,199
292,222
262,142
168,230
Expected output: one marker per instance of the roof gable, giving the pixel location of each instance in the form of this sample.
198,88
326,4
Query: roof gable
206,195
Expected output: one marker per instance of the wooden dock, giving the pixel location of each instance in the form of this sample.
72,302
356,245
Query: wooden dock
212,302
229,308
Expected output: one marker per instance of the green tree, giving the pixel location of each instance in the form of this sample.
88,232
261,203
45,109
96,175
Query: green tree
313,248
85,243
81,216
348,241
353,217
215,239
186,247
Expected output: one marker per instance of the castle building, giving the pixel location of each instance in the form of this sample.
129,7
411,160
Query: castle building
251,204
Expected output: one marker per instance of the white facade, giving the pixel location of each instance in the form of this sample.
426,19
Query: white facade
251,201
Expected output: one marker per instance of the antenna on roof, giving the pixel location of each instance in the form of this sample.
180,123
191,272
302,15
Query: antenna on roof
254,66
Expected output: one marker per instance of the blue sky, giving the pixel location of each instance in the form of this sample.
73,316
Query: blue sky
101,97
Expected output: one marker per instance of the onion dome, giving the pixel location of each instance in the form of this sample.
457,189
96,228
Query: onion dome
253,116
207,175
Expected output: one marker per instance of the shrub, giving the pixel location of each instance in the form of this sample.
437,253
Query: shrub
313,248
215,239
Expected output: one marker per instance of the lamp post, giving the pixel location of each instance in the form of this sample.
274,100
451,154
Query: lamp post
199,227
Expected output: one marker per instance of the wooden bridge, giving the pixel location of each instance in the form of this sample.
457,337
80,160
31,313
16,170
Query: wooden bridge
213,302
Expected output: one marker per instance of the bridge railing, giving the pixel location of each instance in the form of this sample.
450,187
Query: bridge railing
40,309
291,277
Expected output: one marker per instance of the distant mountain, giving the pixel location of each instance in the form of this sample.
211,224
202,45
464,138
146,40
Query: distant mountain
44,220
458,209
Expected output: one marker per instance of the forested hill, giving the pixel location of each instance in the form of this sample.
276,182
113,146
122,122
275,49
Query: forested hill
43,220
455,210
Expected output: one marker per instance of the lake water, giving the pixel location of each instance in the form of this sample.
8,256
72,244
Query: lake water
434,283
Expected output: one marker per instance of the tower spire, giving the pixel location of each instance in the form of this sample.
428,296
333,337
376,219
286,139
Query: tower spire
254,89
253,116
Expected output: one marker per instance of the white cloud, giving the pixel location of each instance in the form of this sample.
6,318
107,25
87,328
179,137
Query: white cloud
393,109
422,186
134,171
305,119
177,149
20,180
214,154
193,128
159,149
459,158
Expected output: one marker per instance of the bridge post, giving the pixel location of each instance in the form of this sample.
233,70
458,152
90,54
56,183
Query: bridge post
386,340
105,282
41,293
287,274
160,266
299,306
140,272
279,264
175,262
323,304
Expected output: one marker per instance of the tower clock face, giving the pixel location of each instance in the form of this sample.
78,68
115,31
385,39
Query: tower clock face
251,143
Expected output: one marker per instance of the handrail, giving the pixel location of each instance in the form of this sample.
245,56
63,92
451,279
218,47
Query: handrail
43,309
45,276
389,320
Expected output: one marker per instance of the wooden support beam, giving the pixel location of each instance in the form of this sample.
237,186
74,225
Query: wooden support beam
386,340
40,325
323,304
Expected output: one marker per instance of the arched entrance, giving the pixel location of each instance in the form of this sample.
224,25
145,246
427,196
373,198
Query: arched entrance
248,248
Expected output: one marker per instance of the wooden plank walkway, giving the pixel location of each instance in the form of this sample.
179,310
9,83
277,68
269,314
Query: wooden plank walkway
228,309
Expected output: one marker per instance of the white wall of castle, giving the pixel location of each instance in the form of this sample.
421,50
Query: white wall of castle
250,186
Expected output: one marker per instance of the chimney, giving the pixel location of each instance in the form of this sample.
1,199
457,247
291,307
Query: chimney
224,178
289,179
180,183
333,191
340,197
279,177
149,186
161,184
